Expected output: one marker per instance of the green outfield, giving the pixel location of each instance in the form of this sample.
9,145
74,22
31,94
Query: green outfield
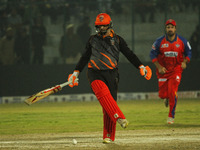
67,117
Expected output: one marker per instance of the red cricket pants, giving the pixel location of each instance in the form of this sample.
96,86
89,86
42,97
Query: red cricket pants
168,88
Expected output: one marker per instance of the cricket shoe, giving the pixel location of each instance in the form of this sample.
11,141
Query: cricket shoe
123,122
107,140
170,120
166,102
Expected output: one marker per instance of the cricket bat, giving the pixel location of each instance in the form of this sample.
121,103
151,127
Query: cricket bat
42,94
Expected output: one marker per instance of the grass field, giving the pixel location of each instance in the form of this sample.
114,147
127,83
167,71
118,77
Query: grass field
86,117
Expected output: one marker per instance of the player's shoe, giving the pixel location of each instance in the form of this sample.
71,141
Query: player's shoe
170,120
123,122
166,102
107,140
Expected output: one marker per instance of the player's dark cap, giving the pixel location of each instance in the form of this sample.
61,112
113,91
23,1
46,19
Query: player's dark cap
171,21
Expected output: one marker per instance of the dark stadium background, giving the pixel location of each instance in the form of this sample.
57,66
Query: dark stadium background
138,22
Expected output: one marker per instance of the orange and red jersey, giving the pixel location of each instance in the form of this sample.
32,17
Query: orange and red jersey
170,54
102,53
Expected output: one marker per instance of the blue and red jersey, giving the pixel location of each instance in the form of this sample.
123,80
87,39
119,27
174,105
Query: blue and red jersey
170,54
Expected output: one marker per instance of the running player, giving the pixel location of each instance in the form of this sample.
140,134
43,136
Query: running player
170,54
102,56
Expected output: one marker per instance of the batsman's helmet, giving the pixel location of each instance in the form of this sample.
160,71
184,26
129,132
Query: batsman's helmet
103,19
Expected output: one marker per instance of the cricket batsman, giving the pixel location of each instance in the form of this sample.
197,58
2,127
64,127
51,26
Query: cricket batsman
170,54
102,56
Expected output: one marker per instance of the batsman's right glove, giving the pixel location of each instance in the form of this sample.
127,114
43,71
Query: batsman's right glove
145,71
73,78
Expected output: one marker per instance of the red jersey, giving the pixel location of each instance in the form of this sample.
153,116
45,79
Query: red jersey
170,54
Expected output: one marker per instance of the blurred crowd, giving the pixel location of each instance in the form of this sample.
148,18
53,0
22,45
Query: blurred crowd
23,33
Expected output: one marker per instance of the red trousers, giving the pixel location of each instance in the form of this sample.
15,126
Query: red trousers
168,88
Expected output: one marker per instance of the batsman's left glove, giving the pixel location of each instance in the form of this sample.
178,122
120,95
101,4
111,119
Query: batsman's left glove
73,78
145,72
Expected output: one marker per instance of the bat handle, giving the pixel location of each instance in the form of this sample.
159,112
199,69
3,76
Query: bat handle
66,83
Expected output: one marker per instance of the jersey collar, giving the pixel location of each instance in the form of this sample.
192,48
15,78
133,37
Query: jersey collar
111,33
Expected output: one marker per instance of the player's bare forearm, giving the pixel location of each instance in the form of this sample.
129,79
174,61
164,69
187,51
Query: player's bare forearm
161,69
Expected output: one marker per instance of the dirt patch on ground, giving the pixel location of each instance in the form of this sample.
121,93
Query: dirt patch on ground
171,139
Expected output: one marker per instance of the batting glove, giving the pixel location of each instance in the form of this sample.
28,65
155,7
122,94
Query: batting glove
145,72
73,78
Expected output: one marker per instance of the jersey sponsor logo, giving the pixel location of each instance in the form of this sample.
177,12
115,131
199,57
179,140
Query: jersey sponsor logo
112,41
171,54
164,45
178,78
177,45
162,79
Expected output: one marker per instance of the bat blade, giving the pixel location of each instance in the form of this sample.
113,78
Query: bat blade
42,94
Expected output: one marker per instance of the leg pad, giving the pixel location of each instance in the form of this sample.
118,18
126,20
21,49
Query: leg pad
106,100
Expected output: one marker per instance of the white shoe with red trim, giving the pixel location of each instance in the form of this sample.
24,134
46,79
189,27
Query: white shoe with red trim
170,120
